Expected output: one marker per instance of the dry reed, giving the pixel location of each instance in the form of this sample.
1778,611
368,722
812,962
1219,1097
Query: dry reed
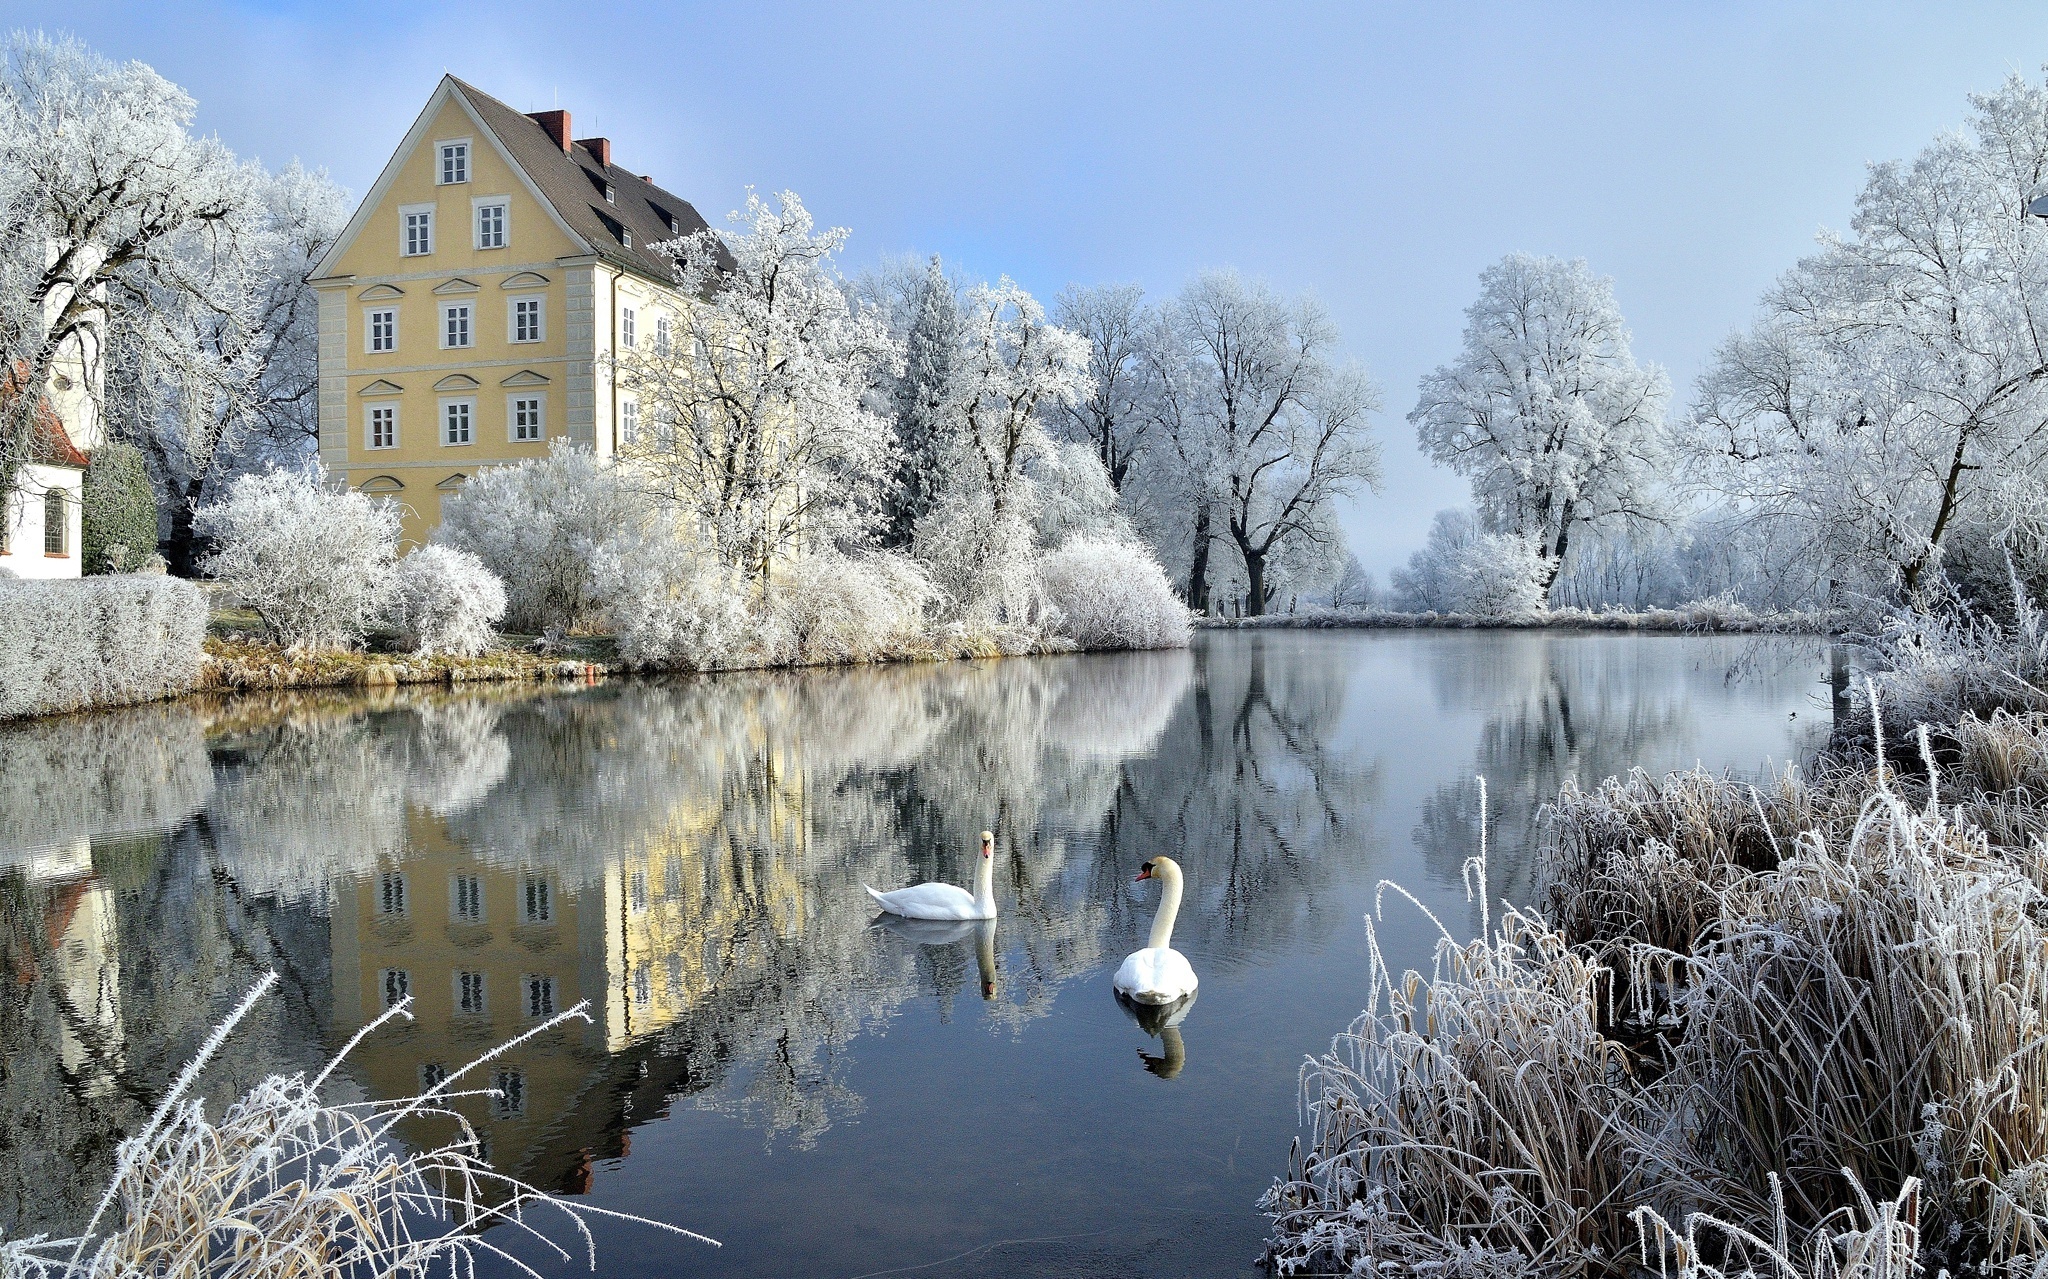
288,1185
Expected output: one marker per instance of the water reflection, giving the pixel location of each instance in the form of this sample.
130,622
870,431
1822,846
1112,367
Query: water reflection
687,858
1561,708
1162,1022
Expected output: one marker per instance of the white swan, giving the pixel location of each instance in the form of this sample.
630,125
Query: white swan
943,901
1158,974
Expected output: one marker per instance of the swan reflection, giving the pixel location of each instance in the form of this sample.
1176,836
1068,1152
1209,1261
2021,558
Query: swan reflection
943,933
1162,1022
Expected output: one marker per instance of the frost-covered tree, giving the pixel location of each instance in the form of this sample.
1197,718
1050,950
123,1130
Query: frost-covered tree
1274,432
1895,375
923,425
214,363
1354,587
1545,409
311,560
759,435
104,192
1014,368
1110,414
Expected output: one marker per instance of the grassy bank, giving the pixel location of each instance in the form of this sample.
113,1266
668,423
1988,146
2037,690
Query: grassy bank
1708,618
1794,1028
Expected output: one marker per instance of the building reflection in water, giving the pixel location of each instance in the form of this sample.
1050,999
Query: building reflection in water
684,858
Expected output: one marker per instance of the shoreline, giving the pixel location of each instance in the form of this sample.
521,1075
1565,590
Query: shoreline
1651,622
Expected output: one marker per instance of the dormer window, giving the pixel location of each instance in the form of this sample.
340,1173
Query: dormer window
454,162
625,237
611,194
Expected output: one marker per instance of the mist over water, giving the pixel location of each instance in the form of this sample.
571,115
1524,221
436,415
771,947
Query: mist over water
765,1063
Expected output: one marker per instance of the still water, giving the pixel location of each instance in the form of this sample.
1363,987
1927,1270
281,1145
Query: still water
764,1063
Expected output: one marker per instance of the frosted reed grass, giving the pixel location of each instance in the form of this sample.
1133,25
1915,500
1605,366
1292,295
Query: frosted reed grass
288,1184
1791,1029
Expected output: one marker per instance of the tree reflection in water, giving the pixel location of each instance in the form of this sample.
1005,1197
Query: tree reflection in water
1562,708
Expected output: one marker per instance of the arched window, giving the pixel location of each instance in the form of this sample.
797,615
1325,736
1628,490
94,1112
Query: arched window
56,524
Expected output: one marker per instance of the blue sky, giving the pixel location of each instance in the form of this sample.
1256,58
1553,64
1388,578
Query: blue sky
1377,155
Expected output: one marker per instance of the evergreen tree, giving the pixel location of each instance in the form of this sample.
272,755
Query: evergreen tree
924,427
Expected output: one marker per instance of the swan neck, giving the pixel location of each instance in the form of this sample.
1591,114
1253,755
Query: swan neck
1169,908
985,882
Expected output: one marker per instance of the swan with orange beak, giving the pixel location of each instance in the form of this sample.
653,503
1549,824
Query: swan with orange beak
944,901
1158,974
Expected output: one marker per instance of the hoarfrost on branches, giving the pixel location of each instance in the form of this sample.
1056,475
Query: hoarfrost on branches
1464,569
1108,593
312,561
445,601
759,434
544,527
1895,375
1545,408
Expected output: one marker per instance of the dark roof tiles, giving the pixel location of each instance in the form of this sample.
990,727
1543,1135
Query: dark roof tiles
574,182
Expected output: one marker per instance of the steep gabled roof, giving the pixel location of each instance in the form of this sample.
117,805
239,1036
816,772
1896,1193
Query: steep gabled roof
50,443
571,183
574,181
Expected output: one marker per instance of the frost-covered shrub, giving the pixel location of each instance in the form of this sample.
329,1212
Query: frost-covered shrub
543,526
311,560
445,601
1074,497
1463,569
102,641
674,610
1112,594
854,608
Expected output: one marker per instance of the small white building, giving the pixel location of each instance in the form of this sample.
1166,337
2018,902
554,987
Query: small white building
40,525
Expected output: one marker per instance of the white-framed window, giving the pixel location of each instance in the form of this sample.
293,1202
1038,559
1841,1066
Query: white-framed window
629,421
629,326
626,237
611,194
456,329
661,337
469,994
454,162
490,223
539,997
537,904
458,421
526,414
510,1085
466,898
417,224
391,893
397,985
529,319
380,329
380,426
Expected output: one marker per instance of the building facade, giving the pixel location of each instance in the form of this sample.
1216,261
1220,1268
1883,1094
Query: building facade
41,529
470,310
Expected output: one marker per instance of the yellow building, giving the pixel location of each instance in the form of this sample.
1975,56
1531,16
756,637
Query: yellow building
470,309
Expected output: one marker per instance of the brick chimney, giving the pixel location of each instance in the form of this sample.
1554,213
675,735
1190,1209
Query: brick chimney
555,124
599,148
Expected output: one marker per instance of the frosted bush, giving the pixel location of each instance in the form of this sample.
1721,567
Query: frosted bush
1074,497
101,641
445,601
310,560
543,526
1112,594
1463,569
673,610
841,608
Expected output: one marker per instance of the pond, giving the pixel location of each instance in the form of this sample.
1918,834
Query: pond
764,1063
